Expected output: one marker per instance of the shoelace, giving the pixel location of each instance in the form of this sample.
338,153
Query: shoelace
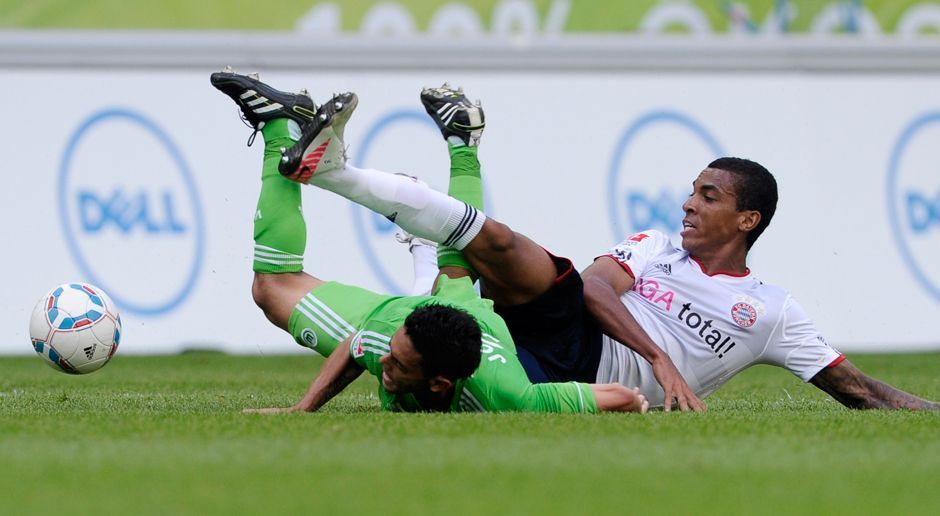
251,139
254,130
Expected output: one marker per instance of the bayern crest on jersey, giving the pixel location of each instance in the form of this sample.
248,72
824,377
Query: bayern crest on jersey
744,314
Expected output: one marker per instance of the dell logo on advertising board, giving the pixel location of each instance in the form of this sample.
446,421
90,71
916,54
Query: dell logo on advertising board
393,140
652,169
913,190
130,211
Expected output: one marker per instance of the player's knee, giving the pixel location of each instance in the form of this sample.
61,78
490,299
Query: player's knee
497,237
262,291
277,294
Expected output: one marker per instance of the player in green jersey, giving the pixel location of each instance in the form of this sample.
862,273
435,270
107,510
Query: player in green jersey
448,351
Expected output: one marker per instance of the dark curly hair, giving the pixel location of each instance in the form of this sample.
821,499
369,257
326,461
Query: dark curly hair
448,340
756,189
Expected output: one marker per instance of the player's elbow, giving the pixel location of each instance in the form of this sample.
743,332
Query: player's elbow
592,288
597,292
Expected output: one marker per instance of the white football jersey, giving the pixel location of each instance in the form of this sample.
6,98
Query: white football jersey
712,326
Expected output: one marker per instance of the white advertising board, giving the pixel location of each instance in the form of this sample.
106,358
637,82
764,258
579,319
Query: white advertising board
140,182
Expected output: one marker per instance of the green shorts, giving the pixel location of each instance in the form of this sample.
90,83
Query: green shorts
331,313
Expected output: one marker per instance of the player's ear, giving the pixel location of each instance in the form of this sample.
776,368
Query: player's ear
748,220
440,384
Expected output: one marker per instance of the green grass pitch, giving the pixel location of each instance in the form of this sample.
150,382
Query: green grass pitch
164,435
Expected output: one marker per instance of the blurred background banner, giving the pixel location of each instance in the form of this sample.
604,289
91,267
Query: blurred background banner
126,169
496,17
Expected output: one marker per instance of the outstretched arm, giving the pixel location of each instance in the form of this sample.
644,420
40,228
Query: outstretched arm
604,283
613,397
852,388
338,371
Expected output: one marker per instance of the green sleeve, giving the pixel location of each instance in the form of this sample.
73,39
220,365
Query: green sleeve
366,348
501,384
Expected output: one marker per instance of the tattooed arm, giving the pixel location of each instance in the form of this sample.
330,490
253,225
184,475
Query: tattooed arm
854,389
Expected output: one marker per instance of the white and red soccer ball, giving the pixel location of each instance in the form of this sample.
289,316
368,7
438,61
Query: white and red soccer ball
75,328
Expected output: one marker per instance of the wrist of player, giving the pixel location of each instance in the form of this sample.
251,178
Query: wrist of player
301,406
657,357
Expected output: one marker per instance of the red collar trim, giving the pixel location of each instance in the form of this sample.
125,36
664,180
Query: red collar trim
746,272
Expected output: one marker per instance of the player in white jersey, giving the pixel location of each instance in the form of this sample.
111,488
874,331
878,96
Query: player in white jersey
701,304
712,325
557,321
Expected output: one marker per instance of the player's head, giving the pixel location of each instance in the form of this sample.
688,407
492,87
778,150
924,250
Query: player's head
732,198
756,189
436,346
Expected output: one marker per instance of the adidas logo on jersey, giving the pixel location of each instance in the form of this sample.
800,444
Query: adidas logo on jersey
666,268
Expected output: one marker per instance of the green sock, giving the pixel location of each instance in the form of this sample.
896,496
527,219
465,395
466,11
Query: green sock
280,230
465,181
465,185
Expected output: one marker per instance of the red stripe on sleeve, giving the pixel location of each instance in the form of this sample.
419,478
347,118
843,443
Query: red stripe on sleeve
837,361
622,265
562,276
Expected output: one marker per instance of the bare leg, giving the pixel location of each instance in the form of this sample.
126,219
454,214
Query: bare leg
277,294
514,269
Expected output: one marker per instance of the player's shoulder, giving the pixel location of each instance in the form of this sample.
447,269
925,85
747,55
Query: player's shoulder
368,346
774,297
769,288
649,237
648,243
462,295
459,292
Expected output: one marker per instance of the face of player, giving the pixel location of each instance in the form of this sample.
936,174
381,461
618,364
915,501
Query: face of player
401,367
712,221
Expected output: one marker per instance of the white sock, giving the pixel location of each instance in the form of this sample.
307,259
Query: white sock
424,257
413,205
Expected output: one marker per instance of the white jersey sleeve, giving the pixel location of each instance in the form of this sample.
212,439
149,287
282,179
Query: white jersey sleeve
797,345
636,252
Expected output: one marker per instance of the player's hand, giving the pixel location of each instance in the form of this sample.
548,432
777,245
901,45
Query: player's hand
676,390
270,410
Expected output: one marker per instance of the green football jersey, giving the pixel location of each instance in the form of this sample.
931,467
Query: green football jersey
499,383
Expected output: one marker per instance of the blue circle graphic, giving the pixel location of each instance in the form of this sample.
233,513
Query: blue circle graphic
891,191
641,124
84,266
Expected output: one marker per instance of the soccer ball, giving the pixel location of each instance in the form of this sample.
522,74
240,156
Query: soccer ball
75,328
